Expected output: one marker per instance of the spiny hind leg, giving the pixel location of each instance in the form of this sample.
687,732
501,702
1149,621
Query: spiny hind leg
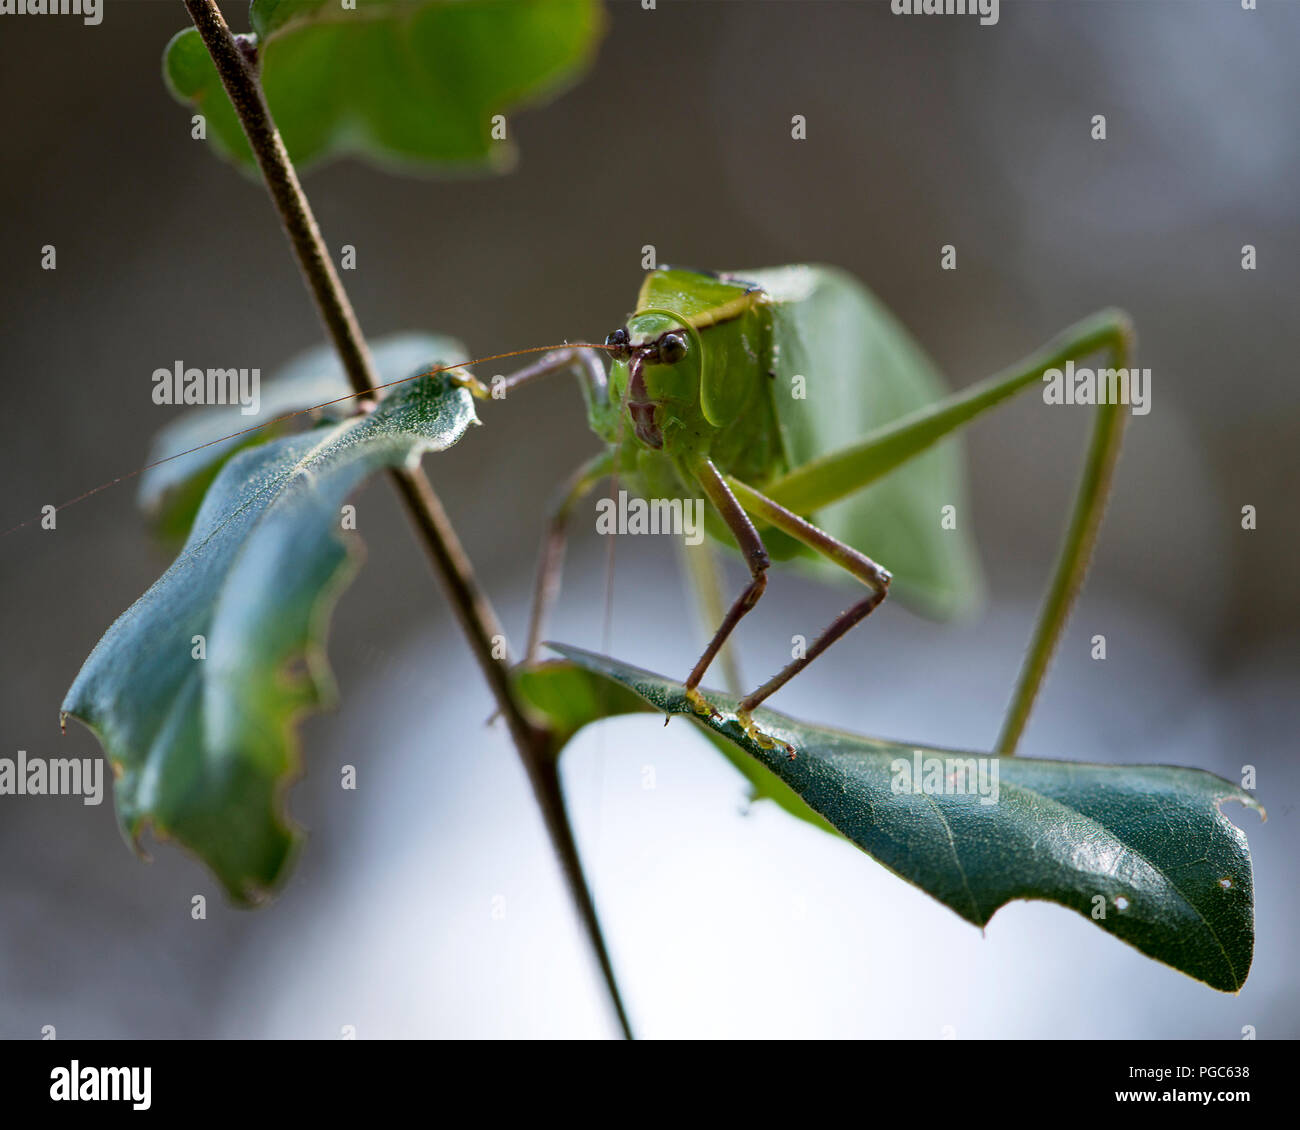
839,474
858,564
755,554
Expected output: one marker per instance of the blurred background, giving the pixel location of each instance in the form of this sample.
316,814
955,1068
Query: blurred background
427,901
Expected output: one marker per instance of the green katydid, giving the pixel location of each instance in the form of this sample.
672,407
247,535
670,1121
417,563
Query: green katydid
702,395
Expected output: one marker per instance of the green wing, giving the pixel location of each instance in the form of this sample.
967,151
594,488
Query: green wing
862,369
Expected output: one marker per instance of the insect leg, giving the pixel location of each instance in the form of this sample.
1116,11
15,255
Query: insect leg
700,564
584,362
838,474
755,554
858,564
831,477
551,562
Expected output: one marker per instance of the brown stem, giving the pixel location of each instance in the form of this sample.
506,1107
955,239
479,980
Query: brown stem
443,547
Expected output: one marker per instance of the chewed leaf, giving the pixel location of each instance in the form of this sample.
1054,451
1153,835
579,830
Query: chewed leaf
413,83
195,690
171,489
1142,850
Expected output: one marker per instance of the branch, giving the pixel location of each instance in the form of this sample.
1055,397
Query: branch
443,547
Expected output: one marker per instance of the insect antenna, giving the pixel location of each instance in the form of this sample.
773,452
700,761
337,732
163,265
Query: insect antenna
292,415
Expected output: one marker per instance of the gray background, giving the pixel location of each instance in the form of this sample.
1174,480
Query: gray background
922,131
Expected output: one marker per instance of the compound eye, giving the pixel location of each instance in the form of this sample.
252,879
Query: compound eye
672,349
619,345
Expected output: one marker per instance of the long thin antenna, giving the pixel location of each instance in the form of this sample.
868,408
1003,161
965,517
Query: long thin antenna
302,412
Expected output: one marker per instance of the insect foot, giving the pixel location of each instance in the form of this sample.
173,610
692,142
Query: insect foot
700,704
465,379
758,737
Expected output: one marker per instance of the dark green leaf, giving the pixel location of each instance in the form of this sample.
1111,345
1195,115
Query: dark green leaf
203,749
564,698
411,83
1148,843
171,492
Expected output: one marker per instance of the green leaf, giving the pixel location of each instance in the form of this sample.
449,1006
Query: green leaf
171,492
1146,842
406,83
564,698
203,749
863,369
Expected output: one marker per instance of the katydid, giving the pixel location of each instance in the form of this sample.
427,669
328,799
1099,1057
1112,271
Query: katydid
702,396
